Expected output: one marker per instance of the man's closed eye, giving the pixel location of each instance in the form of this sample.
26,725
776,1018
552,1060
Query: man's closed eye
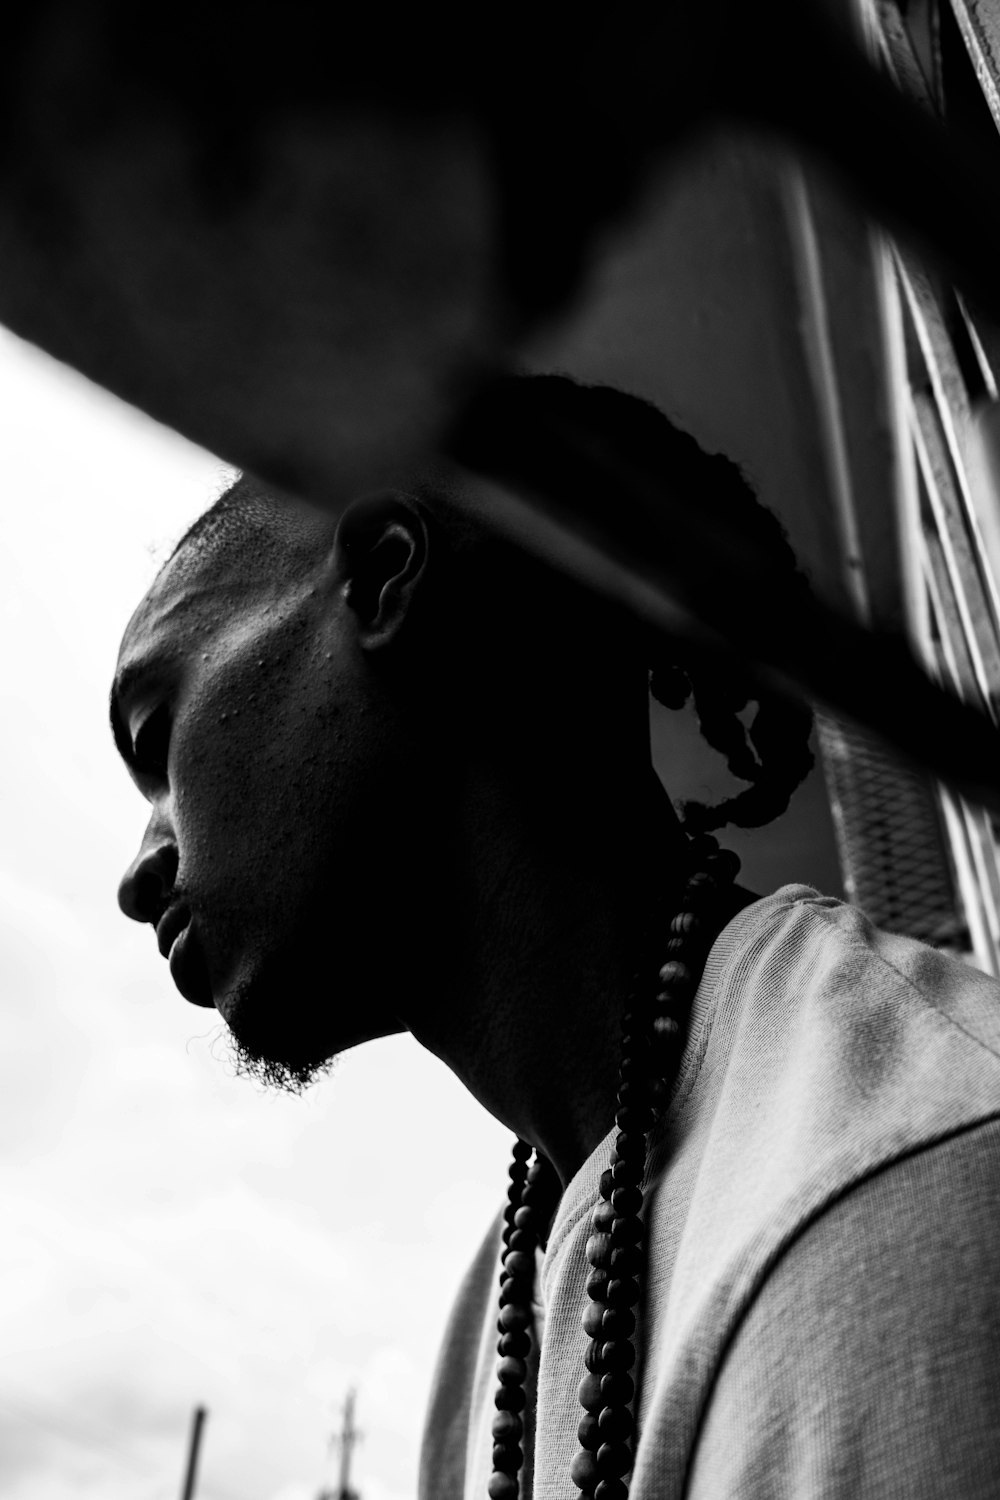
151,743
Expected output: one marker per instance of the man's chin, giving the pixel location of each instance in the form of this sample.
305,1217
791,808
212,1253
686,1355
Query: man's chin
273,1045
275,1073
287,1028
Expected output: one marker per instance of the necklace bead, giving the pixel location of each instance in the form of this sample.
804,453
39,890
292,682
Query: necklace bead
626,1200
626,1231
589,1433
603,1216
666,1030
617,1388
583,1471
677,976
617,1323
652,1032
593,1319
507,1458
613,1460
615,1424
626,1261
725,866
507,1427
513,1318
628,1171
503,1486
589,1392
509,1398
685,924
621,1292
519,1263
599,1251
598,1284
611,1489
618,1354
511,1371
634,1117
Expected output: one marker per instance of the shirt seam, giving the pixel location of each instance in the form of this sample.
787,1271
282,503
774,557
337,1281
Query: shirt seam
697,1049
806,1226
762,925
855,943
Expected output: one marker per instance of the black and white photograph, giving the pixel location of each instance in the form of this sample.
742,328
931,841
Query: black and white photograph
500,876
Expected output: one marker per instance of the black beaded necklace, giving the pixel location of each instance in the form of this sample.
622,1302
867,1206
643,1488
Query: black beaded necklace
652,1038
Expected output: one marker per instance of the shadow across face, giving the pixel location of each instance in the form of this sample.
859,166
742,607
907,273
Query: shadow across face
284,833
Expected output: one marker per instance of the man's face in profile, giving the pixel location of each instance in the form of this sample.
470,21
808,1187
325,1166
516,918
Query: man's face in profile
243,709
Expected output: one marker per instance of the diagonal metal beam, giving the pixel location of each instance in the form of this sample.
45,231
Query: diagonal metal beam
295,252
668,561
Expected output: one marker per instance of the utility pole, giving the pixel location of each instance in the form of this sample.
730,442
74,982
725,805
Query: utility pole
346,1441
194,1447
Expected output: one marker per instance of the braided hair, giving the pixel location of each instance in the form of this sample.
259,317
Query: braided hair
771,751
517,433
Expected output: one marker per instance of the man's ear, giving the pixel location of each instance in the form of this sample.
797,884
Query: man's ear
381,549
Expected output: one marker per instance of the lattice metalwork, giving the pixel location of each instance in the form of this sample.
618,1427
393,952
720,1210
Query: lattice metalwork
945,56
891,841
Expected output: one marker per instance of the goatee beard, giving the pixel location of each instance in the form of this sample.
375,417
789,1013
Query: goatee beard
274,1074
287,1064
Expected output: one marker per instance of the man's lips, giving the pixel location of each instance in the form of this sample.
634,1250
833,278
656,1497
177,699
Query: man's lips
170,925
178,942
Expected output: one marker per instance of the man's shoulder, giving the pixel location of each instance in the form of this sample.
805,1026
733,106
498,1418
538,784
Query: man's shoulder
840,932
826,1059
816,955
880,1315
822,1051
854,1045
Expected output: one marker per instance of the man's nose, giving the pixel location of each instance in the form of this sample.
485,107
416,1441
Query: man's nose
147,883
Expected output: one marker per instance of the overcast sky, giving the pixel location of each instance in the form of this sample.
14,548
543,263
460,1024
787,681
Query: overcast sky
171,1235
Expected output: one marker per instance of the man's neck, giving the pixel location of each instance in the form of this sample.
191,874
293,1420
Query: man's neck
558,893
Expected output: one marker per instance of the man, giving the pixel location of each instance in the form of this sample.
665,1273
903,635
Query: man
399,778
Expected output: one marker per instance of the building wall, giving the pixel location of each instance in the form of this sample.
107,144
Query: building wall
696,307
